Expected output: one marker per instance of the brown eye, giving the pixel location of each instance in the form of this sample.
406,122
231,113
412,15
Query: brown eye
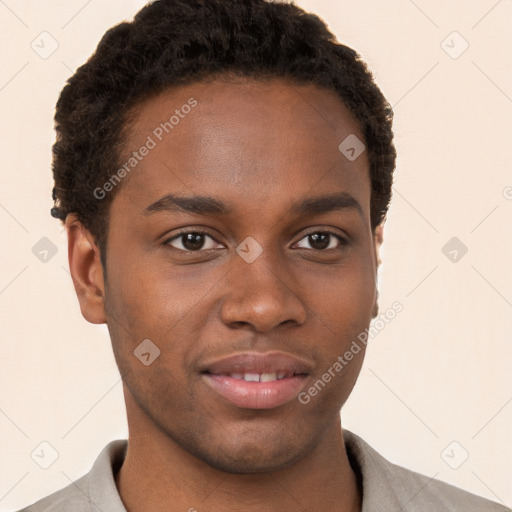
191,241
324,240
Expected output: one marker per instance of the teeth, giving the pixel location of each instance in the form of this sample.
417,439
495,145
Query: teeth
258,377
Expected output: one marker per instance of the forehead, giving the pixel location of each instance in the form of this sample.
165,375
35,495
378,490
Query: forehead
246,141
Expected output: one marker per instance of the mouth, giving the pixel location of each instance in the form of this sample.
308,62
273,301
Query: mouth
258,377
255,380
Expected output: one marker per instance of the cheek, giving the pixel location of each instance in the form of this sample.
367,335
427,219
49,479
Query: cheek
148,297
346,299
150,302
343,309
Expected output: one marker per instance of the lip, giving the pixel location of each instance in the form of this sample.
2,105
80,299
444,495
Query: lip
257,395
257,362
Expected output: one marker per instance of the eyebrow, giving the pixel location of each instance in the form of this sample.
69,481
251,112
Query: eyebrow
207,205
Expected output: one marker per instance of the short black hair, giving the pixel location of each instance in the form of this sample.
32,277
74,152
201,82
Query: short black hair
179,42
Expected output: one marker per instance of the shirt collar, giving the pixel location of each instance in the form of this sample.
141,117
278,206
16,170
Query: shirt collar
101,485
374,473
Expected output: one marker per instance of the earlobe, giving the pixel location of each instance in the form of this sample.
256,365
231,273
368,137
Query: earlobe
86,271
378,239
375,311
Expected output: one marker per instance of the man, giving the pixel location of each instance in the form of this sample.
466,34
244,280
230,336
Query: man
224,169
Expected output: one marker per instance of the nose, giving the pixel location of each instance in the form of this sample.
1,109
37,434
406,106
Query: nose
261,295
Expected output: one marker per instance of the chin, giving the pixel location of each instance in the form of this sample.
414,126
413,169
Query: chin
250,451
248,460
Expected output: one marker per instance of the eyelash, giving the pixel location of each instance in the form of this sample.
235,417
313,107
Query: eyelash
343,241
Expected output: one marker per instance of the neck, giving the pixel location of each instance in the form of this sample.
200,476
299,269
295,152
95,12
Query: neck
159,475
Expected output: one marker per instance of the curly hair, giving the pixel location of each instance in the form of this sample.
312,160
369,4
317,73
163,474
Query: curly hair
179,42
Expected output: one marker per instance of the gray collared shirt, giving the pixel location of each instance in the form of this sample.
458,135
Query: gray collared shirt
386,486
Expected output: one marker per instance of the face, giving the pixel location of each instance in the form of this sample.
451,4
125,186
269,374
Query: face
225,251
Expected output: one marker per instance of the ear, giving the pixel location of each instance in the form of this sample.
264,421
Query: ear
378,239
86,271
377,242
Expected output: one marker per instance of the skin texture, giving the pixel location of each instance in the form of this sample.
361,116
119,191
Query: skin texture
258,147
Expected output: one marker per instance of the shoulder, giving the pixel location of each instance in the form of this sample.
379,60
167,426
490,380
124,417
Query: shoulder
61,500
428,494
95,491
387,486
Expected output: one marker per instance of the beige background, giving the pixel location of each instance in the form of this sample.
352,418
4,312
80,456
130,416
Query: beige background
438,373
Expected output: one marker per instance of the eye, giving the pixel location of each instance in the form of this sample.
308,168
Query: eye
195,241
191,241
324,240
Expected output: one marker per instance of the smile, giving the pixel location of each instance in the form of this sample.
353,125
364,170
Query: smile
257,381
260,377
